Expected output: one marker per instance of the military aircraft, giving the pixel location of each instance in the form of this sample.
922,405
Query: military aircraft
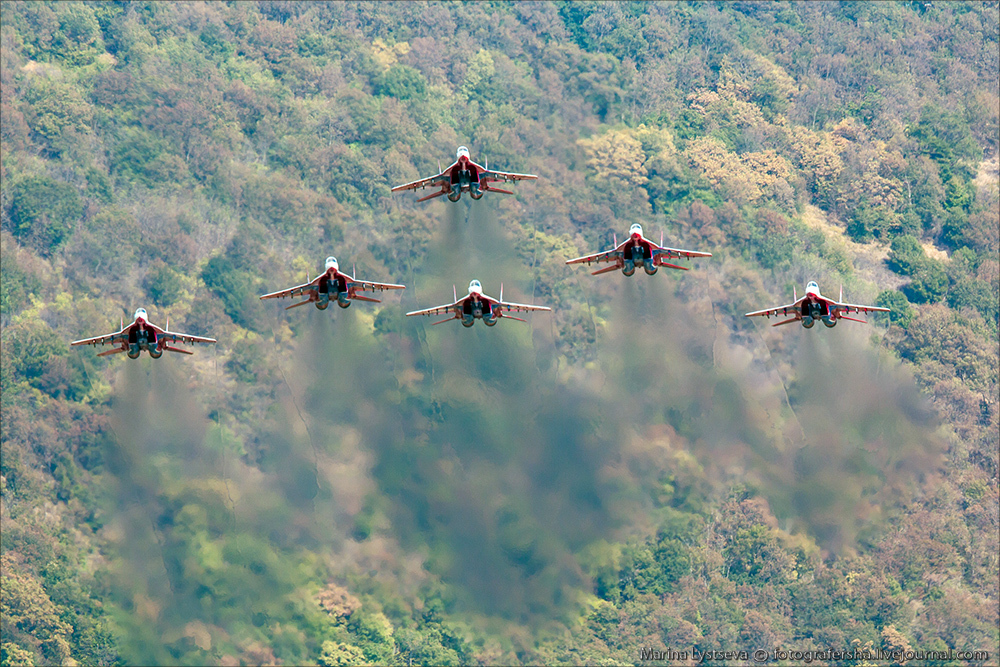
464,175
814,306
141,335
637,249
332,285
476,305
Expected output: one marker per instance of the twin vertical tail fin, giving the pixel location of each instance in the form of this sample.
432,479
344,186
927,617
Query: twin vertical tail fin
501,292
454,292
795,295
842,292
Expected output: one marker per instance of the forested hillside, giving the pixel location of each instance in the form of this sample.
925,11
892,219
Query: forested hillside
643,467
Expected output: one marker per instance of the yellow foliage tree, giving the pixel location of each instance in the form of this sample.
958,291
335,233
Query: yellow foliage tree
747,178
27,608
617,156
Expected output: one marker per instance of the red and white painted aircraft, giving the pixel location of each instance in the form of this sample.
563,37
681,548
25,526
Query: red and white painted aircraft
464,175
141,335
332,285
638,250
477,305
814,306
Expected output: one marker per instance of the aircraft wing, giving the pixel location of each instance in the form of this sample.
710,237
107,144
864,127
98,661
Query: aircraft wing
676,253
438,310
613,255
294,291
107,339
368,286
177,337
854,308
435,181
783,310
521,307
488,175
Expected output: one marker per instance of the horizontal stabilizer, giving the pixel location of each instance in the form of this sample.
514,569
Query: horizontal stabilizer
492,189
778,324
177,349
300,303
613,267
515,318
365,298
436,194
449,319
853,319
673,266
114,351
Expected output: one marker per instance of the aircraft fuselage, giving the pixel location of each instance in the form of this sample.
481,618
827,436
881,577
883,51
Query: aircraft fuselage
638,253
141,339
814,309
476,309
332,287
464,178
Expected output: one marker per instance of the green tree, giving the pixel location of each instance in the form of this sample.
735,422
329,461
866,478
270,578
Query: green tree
402,82
16,285
977,294
900,312
238,290
336,654
930,282
162,283
43,210
906,255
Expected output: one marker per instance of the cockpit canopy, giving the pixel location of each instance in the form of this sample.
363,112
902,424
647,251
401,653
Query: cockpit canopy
475,287
141,312
635,229
462,152
812,287
331,263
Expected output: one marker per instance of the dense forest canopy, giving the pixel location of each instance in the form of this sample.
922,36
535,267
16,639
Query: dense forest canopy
642,468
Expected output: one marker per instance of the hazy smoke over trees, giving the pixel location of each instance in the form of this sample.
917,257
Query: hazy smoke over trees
480,451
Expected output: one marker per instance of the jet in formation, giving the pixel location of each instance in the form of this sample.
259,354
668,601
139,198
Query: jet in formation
464,175
476,305
637,250
141,335
814,306
332,285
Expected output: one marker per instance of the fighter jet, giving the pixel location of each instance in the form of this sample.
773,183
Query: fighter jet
332,285
814,306
141,335
477,305
464,175
637,250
